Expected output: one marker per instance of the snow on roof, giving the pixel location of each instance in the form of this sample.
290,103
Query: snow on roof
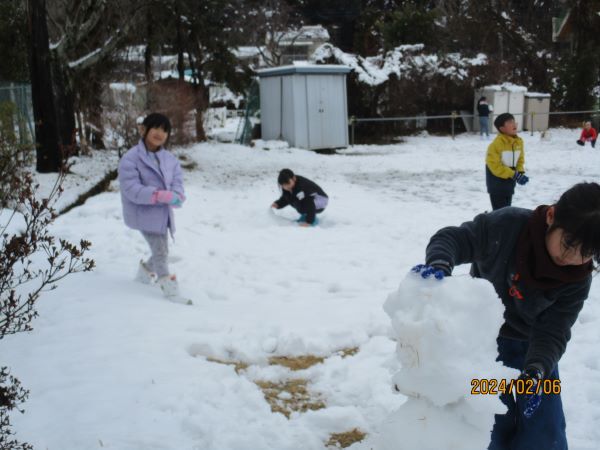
403,61
306,34
505,87
130,87
537,95
247,51
304,67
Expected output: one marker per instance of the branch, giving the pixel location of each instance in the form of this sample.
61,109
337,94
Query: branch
109,46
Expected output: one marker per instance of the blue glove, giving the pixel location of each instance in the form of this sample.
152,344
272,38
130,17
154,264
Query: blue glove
426,271
176,200
521,178
532,401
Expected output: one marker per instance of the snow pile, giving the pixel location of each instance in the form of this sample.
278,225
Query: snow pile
510,87
405,62
446,336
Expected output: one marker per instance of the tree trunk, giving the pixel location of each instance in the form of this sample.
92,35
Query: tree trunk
148,69
64,101
180,64
47,140
200,93
200,133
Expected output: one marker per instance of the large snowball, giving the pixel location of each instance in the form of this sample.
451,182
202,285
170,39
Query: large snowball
446,333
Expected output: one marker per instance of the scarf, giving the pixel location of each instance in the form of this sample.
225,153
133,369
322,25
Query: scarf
534,265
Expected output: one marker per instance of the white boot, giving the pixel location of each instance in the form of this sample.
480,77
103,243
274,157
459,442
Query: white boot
144,274
170,289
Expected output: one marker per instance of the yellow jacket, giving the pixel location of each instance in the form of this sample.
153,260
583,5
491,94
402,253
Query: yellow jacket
505,155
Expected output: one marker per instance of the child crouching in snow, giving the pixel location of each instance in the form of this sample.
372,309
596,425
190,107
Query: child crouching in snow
151,185
588,134
303,195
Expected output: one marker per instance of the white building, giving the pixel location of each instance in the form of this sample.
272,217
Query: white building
298,45
502,98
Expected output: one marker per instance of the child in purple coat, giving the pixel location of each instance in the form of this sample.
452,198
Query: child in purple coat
151,186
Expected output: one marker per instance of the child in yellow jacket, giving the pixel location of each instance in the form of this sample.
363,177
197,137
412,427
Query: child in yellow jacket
505,162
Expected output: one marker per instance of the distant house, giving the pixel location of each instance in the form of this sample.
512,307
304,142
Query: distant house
562,29
250,56
298,45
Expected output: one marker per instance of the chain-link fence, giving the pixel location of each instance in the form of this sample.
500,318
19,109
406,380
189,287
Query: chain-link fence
377,129
16,112
245,132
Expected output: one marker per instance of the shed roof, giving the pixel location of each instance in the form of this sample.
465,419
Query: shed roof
537,95
316,69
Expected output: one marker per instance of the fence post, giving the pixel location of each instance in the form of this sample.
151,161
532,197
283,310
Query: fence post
453,117
532,127
352,121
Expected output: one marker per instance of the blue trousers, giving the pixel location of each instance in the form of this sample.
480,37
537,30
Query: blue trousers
546,429
484,125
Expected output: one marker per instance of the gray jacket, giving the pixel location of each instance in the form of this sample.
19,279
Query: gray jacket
542,317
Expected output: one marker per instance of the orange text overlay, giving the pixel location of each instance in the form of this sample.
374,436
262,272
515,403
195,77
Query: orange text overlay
493,386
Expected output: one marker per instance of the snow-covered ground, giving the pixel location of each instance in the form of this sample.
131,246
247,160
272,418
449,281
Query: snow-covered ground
84,173
113,365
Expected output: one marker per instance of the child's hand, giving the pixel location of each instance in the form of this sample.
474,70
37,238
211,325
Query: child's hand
426,271
521,178
304,224
167,197
274,205
177,201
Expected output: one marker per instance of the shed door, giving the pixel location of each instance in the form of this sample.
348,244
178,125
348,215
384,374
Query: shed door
326,121
516,106
314,111
500,102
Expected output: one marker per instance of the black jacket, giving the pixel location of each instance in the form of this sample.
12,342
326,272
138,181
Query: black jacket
542,317
302,198
483,109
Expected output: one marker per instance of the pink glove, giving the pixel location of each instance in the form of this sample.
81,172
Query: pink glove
166,197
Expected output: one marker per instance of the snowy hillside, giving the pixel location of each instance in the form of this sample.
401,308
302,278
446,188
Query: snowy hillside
112,365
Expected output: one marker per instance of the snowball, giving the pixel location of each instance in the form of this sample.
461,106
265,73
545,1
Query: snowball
446,336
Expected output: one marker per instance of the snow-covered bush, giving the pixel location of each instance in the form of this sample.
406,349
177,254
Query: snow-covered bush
31,261
408,81
14,159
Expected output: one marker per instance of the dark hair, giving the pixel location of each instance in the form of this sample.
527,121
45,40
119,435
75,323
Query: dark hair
483,97
285,176
577,213
502,119
157,120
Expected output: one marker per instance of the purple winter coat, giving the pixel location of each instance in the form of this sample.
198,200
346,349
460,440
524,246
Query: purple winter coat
140,178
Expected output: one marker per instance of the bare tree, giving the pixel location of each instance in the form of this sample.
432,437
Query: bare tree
68,39
274,21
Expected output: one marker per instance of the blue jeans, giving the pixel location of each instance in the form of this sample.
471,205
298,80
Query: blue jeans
484,125
546,429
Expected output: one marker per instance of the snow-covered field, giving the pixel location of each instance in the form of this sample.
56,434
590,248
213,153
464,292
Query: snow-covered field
113,365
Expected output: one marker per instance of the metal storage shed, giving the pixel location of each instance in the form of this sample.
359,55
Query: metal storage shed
516,103
305,105
496,98
505,97
537,111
